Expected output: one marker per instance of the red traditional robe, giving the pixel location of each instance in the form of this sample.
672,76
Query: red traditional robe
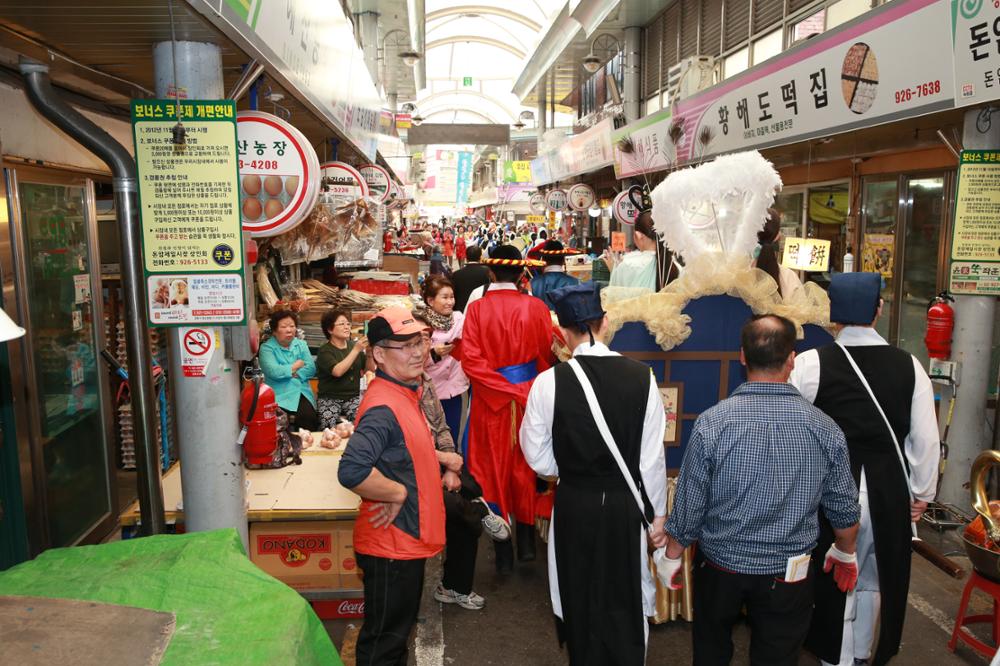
504,328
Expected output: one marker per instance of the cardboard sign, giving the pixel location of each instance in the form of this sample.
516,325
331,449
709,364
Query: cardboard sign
806,254
618,241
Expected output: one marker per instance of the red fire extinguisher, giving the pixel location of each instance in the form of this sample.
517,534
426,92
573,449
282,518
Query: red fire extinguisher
259,435
940,324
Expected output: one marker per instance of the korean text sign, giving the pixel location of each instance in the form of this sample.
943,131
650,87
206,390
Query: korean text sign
975,242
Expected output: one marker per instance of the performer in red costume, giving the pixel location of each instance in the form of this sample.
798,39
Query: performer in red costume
507,341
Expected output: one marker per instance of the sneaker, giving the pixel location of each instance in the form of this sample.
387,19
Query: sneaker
470,601
496,527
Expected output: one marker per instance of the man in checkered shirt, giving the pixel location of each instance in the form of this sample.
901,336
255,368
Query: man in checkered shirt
758,466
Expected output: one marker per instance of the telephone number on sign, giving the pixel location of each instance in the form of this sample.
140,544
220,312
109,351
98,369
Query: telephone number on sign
263,165
922,90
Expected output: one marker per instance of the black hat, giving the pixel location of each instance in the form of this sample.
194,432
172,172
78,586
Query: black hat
577,304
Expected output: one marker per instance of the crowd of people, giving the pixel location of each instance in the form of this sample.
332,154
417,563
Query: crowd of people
793,488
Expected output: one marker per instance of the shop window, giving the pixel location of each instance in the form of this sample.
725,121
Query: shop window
845,10
809,26
767,46
736,63
826,218
790,207
880,205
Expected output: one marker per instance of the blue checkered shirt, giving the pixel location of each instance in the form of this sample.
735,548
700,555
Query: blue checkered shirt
757,468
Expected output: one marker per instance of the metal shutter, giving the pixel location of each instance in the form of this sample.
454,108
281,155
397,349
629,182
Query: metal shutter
737,27
652,39
766,13
711,27
689,28
671,32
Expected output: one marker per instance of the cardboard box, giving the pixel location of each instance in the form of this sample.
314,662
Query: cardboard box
300,554
347,564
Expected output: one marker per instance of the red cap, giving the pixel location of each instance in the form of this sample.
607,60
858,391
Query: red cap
394,323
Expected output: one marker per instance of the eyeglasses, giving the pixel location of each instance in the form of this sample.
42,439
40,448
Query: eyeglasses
409,347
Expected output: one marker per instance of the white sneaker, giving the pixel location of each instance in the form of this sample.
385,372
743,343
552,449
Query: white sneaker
470,601
496,527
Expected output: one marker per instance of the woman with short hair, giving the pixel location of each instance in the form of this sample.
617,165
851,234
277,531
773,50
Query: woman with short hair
288,366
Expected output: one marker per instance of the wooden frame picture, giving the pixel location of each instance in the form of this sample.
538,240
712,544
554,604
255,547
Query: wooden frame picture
672,395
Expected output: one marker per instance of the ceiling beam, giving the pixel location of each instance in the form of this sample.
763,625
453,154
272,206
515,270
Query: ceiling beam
460,39
484,9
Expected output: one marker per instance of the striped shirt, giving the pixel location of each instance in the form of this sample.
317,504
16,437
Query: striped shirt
758,466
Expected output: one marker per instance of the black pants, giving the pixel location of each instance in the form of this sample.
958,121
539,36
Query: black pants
305,417
463,526
392,600
778,612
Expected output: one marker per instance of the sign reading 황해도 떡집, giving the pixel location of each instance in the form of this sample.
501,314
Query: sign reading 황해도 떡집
975,240
189,211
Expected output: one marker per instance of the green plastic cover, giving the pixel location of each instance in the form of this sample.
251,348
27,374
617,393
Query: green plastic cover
228,611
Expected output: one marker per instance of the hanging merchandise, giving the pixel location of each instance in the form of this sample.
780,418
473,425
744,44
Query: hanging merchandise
556,201
279,174
623,209
343,181
537,203
581,197
350,231
378,181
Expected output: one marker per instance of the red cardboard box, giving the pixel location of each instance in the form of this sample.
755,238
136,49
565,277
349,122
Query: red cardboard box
300,554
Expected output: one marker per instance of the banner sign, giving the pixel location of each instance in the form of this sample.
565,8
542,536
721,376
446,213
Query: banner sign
888,64
975,31
806,254
975,241
582,153
189,207
463,176
517,171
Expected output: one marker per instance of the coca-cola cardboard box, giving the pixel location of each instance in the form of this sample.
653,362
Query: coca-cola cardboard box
303,555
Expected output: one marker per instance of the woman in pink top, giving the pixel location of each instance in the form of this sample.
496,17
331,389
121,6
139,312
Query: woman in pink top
443,366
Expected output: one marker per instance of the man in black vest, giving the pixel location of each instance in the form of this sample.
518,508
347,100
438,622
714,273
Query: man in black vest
467,278
843,626
600,586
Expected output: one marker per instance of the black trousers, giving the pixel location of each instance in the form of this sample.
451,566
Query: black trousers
463,526
778,612
392,600
305,417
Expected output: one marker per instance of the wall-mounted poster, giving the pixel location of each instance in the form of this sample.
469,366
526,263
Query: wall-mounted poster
876,255
671,393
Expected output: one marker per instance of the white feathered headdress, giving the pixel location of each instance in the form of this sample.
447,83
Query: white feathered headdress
718,206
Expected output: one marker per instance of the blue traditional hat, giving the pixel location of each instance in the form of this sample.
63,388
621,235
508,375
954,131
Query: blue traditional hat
854,298
577,304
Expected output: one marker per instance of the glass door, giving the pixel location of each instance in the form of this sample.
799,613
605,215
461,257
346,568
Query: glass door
879,209
56,264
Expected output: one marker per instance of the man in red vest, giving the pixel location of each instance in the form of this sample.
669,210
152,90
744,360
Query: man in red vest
390,461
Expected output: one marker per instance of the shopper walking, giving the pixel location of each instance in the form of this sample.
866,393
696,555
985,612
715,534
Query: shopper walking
448,247
866,386
758,466
340,363
553,276
601,588
390,461
288,366
443,366
460,250
466,279
507,341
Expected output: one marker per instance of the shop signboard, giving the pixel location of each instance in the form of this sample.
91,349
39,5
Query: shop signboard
311,49
581,153
975,241
556,201
279,174
806,254
342,180
617,241
581,196
403,121
537,203
623,209
517,171
535,219
189,212
378,180
975,31
890,63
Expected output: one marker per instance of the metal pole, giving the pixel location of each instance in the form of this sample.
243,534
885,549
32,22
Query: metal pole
633,56
206,407
117,157
540,121
415,11
972,344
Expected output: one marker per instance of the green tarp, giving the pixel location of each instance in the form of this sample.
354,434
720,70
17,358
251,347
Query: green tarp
228,611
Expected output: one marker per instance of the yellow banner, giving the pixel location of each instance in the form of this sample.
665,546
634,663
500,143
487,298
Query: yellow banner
518,171
806,254
535,219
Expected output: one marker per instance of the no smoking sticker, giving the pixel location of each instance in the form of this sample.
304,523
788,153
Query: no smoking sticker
197,347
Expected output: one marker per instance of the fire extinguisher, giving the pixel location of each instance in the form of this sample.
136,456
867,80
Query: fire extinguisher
259,434
940,324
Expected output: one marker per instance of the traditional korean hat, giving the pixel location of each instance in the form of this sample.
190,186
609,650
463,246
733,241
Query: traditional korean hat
577,304
854,298
555,248
508,255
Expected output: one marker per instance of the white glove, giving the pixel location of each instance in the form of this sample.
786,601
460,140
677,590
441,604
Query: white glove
844,566
667,568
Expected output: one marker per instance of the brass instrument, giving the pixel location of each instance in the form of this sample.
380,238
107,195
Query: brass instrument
985,561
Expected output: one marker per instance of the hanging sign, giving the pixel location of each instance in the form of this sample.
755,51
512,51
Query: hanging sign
378,180
623,209
403,121
189,210
618,241
806,254
975,29
343,180
279,174
581,196
537,203
517,171
556,200
975,241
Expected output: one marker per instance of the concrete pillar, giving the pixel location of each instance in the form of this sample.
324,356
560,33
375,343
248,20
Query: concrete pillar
632,93
206,407
971,346
540,115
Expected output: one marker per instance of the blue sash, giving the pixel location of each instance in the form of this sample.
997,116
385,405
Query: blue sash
518,374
